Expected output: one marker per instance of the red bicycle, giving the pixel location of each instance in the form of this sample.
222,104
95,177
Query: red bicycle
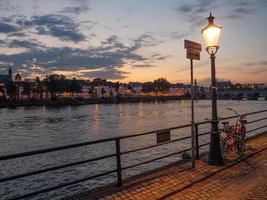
233,145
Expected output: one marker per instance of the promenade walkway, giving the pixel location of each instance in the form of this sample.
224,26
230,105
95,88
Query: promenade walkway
243,180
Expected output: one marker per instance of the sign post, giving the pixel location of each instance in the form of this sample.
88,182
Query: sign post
192,53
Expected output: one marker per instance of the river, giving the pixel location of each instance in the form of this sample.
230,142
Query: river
31,128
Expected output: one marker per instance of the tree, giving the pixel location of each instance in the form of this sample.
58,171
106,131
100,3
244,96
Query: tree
103,92
74,87
99,82
117,86
56,84
187,95
26,88
92,92
148,87
162,85
129,87
38,88
11,90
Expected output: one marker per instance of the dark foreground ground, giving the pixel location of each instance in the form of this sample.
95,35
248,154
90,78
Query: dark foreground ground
245,180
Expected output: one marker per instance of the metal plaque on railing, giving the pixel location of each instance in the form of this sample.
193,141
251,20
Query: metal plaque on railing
163,136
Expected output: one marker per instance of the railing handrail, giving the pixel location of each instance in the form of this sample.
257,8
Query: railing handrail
246,114
64,147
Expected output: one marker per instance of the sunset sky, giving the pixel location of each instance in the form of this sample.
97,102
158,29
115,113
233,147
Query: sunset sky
131,40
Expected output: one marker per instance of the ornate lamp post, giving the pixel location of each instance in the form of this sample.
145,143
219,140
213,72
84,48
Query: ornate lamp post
211,35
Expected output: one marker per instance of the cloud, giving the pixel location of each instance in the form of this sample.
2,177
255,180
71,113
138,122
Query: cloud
177,35
197,66
112,42
29,44
260,63
59,26
198,7
7,28
105,60
254,67
192,12
17,34
6,5
238,13
185,8
146,39
240,9
74,10
112,74
143,65
62,27
159,56
258,70
62,33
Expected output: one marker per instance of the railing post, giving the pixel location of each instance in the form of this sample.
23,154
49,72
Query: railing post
197,143
118,158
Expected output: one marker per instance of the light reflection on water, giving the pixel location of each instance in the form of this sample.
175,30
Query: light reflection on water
25,129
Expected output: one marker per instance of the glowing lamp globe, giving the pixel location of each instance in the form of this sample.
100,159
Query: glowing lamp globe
211,34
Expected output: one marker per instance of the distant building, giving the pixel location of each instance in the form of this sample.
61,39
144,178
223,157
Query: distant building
85,90
4,79
196,88
177,91
105,91
136,88
10,74
224,85
18,78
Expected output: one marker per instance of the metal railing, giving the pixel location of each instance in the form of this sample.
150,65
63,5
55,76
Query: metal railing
117,155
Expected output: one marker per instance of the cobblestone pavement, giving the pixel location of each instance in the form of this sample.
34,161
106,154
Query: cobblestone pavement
243,180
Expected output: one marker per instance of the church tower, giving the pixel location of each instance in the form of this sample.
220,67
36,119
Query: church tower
18,78
10,74
195,82
196,88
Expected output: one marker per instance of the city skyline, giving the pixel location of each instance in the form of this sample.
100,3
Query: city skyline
131,40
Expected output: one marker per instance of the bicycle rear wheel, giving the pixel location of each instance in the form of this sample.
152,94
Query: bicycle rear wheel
233,148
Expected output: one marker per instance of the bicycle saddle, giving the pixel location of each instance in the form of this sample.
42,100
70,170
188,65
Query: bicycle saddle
244,121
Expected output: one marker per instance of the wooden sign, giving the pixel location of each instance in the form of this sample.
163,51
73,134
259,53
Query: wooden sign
164,136
193,54
192,45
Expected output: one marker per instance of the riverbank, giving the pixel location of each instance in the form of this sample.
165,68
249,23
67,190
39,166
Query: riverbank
62,102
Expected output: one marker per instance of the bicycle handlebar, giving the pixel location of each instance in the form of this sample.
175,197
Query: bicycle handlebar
241,116
219,118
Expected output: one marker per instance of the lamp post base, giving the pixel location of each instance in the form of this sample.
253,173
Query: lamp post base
215,156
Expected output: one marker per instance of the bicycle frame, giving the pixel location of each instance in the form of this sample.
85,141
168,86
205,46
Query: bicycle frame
233,145
239,128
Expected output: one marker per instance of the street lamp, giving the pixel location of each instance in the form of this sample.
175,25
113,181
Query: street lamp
211,34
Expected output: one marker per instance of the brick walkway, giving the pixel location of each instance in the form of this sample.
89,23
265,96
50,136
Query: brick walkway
244,180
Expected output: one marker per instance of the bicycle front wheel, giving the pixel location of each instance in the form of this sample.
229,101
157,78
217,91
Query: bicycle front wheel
233,148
